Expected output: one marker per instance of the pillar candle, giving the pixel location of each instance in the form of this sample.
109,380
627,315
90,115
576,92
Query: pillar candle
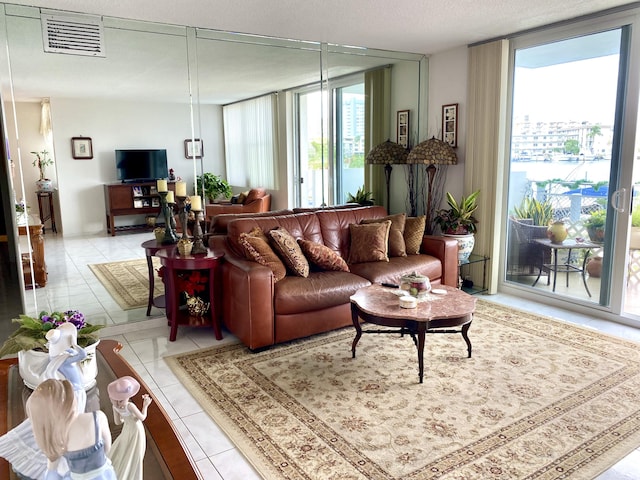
170,198
181,189
196,202
161,184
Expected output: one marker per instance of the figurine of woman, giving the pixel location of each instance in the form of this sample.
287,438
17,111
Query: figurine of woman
128,449
82,439
18,446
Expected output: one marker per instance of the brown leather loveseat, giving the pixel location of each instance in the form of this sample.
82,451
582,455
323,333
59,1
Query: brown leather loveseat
256,200
262,309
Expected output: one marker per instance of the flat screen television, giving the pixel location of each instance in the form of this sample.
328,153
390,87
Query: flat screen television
141,165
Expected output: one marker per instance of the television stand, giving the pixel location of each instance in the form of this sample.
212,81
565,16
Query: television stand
131,199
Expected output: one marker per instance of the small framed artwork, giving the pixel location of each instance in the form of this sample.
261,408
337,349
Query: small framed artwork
403,128
450,124
81,148
193,148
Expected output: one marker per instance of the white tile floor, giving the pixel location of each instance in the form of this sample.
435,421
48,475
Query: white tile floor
145,341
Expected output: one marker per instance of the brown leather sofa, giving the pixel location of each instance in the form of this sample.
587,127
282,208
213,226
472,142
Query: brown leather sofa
257,200
262,312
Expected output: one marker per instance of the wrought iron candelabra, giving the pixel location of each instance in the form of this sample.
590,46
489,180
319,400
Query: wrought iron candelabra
169,222
182,215
198,244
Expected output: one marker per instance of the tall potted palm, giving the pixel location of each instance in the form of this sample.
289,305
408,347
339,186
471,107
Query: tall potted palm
458,222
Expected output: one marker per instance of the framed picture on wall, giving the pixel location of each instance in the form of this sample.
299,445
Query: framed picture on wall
450,124
402,137
193,148
81,148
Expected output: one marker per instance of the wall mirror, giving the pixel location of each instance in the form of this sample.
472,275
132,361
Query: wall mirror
156,86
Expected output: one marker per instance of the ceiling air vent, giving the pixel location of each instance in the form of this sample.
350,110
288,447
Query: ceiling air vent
73,35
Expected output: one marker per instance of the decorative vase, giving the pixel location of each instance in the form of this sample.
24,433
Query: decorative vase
465,245
44,185
196,306
159,234
32,364
594,267
184,247
557,232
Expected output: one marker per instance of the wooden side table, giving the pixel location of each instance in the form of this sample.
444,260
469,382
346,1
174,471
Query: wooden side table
175,264
45,207
151,247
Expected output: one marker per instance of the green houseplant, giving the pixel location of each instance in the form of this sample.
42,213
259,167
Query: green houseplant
214,186
361,196
458,219
595,225
540,212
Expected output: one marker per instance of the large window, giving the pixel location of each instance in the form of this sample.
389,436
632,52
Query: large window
326,175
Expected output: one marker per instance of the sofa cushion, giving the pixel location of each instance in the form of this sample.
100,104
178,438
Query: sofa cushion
413,233
369,242
322,257
289,250
320,290
256,248
396,238
391,272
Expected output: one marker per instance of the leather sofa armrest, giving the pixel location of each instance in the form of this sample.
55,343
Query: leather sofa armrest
445,249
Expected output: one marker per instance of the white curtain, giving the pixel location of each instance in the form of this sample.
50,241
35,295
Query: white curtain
250,139
486,139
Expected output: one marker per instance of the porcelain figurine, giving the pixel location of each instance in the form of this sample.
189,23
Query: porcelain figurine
127,454
82,439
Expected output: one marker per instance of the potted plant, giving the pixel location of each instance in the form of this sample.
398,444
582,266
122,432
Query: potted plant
595,225
42,161
539,212
29,341
213,186
361,196
458,221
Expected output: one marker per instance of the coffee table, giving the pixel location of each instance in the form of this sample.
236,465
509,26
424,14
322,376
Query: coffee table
437,313
165,456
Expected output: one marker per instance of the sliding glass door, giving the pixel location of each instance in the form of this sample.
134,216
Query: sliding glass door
567,167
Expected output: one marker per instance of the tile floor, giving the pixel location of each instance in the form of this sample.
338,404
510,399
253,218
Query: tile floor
145,341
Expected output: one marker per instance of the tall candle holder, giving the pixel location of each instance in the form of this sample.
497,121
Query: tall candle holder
169,235
182,215
173,219
198,245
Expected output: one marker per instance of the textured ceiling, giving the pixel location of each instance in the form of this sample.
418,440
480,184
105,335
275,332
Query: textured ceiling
419,26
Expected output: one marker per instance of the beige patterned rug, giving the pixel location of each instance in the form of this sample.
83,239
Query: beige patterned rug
540,398
128,281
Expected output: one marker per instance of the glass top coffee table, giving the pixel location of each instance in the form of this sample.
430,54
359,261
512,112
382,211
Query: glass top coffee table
165,457
437,313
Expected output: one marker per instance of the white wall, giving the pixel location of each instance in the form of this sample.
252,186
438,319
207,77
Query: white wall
448,84
119,125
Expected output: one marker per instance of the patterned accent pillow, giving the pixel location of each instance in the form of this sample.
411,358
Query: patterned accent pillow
396,239
257,249
289,250
369,242
322,256
413,233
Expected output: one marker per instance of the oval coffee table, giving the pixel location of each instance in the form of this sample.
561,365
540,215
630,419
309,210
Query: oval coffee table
437,313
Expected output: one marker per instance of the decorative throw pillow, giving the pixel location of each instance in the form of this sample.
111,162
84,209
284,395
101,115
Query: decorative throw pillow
242,197
369,242
256,248
322,256
396,239
413,233
289,250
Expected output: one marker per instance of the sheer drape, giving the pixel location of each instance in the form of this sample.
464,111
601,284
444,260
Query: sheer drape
377,90
486,143
250,139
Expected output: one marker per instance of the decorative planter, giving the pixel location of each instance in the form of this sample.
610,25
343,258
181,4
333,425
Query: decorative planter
594,267
44,185
596,234
465,245
557,232
634,238
32,364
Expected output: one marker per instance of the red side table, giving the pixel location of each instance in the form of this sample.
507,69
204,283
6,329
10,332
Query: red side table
174,264
151,247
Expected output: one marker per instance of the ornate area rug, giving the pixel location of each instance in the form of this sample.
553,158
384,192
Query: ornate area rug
540,398
128,281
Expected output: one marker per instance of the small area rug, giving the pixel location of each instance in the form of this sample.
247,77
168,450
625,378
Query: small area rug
128,281
540,398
